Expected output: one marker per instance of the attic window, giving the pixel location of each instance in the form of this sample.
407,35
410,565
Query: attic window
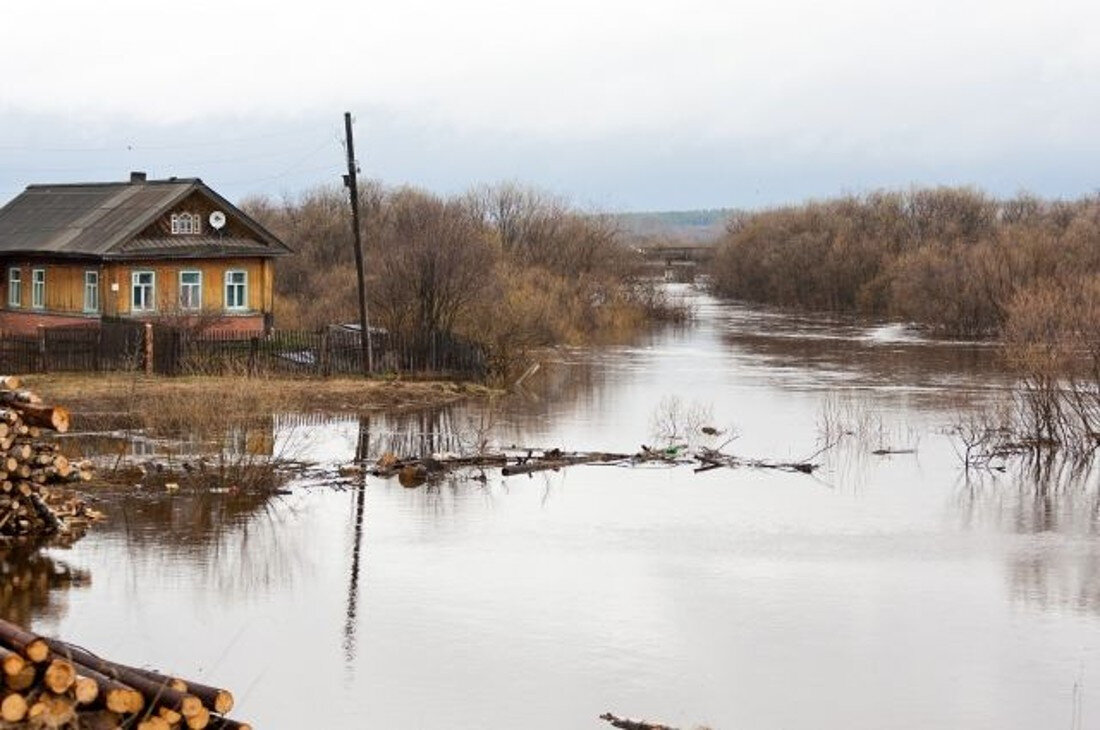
186,223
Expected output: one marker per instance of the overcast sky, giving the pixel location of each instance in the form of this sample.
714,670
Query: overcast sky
619,105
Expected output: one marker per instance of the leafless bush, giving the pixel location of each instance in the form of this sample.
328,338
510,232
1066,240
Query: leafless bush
675,423
1052,339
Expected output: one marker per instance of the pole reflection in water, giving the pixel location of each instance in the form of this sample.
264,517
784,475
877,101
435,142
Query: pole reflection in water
350,622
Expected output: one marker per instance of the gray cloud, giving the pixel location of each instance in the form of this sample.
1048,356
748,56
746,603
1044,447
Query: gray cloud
624,105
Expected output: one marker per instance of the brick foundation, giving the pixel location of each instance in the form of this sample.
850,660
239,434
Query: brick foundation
25,322
28,322
250,323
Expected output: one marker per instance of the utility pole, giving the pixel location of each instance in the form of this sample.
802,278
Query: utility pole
351,182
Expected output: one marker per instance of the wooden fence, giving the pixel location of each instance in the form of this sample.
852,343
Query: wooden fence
124,345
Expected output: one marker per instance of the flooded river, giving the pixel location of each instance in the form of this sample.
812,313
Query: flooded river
883,591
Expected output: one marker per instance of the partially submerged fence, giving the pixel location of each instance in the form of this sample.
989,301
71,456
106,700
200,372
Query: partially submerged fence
167,350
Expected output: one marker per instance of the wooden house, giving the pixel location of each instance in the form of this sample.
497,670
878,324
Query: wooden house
144,249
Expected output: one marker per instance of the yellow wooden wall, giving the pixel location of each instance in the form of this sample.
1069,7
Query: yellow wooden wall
65,285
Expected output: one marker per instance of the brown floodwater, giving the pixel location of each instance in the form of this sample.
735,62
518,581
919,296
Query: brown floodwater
883,591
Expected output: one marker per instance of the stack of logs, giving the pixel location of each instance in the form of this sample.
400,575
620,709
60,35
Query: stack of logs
28,463
48,683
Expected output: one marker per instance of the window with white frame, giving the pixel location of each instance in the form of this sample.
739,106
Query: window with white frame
143,297
15,287
38,288
190,290
236,289
186,223
91,291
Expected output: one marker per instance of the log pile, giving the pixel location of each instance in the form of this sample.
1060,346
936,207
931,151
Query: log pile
48,683
31,468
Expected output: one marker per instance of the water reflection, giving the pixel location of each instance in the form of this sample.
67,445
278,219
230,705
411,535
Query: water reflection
352,613
33,583
1052,507
1032,497
241,542
831,352
694,598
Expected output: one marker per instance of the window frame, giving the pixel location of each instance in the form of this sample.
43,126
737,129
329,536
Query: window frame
38,288
15,286
243,306
185,224
197,305
93,287
134,284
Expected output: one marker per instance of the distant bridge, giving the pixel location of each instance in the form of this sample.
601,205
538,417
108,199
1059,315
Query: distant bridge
679,254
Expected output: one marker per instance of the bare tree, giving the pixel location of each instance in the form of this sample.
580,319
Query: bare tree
435,261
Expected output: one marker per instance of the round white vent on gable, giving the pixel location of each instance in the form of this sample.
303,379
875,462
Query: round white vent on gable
217,220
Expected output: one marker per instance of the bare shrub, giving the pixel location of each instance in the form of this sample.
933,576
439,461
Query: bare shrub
675,423
434,263
1052,340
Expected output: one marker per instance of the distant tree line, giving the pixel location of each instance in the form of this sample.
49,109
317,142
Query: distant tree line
954,260
506,266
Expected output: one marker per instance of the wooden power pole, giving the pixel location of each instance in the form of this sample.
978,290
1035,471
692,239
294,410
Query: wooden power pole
351,182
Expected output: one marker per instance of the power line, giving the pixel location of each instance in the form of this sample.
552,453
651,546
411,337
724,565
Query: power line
124,147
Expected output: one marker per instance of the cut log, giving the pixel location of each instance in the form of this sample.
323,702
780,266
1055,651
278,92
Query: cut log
64,468
217,699
52,711
24,679
59,676
29,645
536,465
199,720
85,690
19,396
55,418
155,693
110,693
10,382
170,716
13,708
154,722
11,661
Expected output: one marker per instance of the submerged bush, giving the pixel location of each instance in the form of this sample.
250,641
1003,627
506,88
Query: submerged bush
1052,339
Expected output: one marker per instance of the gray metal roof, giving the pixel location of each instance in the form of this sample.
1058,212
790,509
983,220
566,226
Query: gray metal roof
100,220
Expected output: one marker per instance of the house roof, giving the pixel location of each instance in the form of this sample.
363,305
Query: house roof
102,220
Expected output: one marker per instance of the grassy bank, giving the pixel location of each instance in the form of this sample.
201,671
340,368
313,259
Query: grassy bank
167,405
